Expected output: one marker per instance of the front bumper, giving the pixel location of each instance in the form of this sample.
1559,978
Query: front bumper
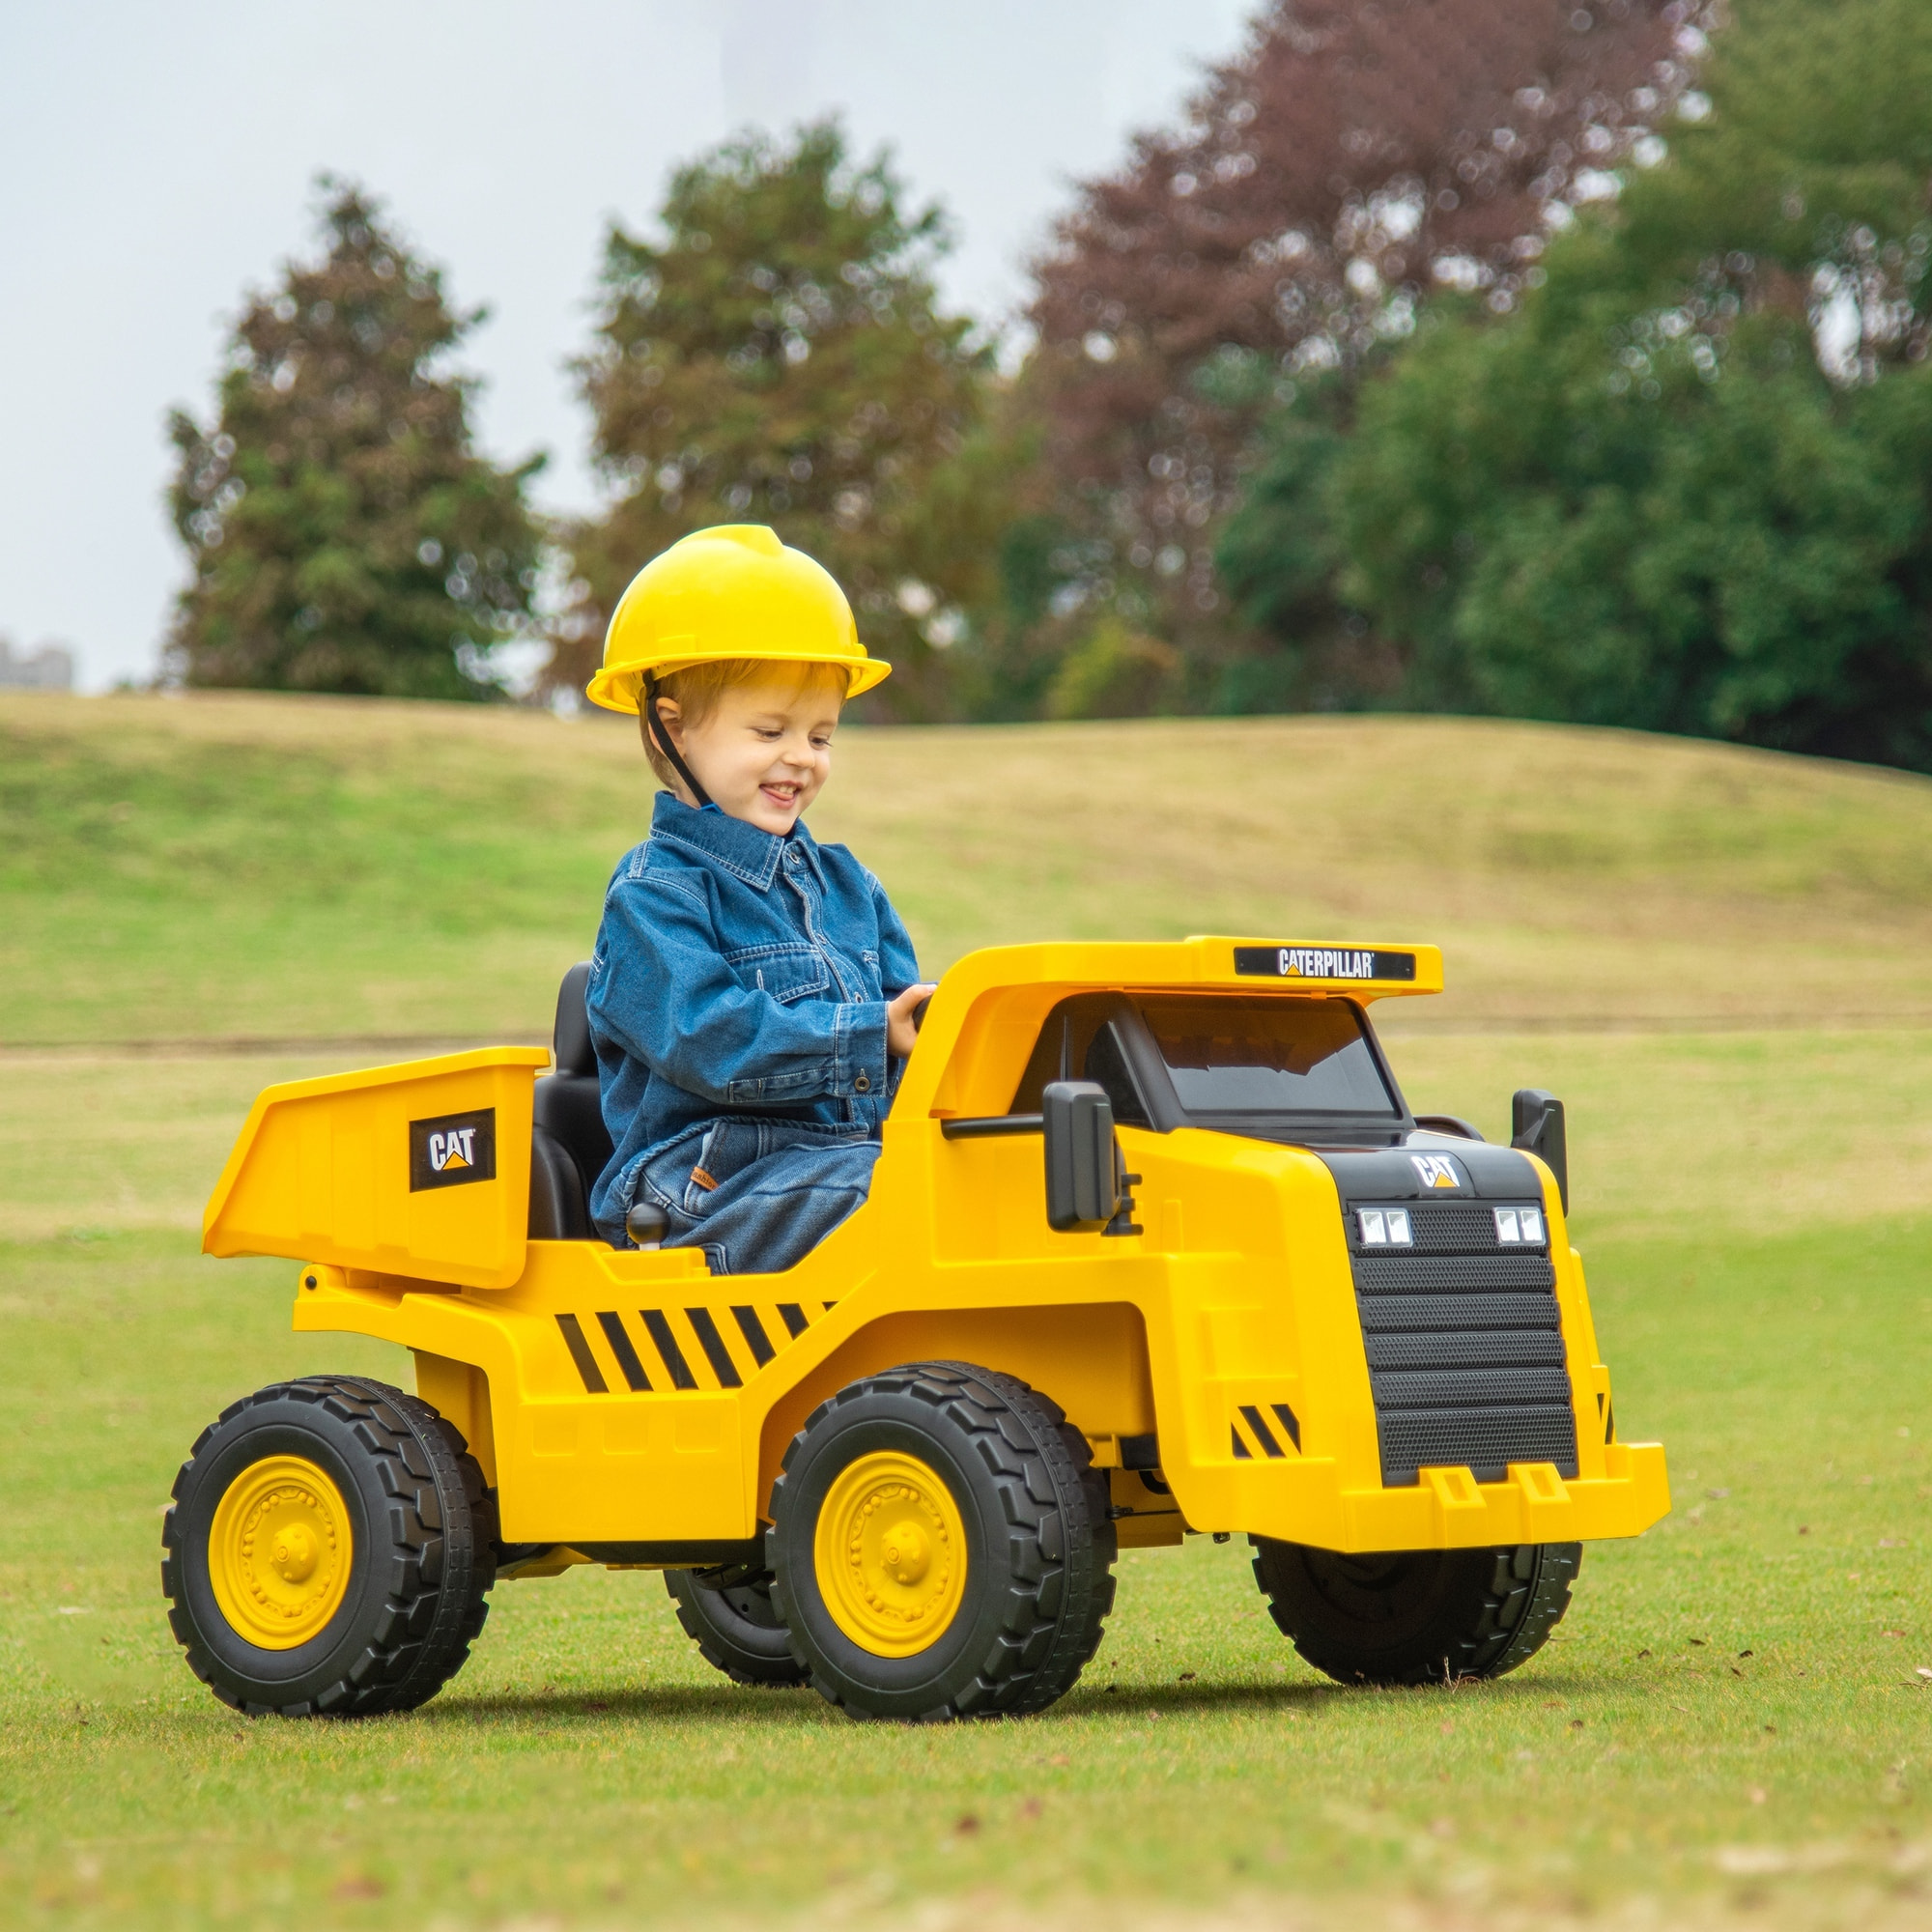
1303,1501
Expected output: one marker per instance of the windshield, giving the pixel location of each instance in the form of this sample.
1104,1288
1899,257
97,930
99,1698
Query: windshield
1267,1056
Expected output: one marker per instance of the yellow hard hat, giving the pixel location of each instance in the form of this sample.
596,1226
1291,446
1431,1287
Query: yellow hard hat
732,592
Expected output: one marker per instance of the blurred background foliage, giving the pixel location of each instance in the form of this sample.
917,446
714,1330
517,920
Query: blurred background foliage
1557,359
1683,483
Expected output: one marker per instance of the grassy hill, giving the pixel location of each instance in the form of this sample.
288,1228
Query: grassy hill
1728,1730
258,868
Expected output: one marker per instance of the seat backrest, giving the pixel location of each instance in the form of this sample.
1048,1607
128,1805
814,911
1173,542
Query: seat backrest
571,1039
560,1204
569,1121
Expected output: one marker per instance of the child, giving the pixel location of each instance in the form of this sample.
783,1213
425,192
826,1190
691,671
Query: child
752,991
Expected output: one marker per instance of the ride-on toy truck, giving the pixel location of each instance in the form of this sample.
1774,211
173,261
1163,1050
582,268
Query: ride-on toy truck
1154,1245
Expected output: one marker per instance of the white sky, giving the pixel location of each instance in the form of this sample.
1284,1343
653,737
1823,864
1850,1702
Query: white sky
156,159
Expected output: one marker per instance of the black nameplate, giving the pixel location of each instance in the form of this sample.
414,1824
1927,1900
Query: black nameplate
453,1148
1321,962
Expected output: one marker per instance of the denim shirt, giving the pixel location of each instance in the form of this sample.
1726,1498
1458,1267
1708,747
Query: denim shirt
737,973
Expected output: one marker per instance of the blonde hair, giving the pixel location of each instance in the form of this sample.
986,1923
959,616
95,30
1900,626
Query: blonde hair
698,689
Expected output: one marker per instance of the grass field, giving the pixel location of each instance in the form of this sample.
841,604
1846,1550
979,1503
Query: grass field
267,869
1731,1727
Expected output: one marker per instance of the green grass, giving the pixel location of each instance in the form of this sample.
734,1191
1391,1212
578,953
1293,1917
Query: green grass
1731,1707
1729,1728
589,1768
278,868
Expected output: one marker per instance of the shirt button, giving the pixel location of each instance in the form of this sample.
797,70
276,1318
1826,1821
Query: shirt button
864,1083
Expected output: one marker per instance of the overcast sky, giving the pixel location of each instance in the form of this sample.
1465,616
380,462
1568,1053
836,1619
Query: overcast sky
156,159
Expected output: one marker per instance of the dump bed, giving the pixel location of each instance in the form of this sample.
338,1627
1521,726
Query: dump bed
421,1169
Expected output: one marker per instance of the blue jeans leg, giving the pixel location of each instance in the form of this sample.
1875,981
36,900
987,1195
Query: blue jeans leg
773,1212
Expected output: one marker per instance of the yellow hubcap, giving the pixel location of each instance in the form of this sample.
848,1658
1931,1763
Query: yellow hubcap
889,1553
278,1555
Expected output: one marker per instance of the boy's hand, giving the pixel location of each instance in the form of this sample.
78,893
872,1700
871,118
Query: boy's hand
899,1032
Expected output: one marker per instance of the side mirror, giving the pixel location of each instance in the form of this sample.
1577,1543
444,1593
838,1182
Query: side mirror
1536,1125
1082,1186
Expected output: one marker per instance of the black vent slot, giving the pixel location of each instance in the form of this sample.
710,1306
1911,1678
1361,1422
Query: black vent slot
1382,1273
1466,1349
1465,1346
1485,1441
1389,1314
1487,1387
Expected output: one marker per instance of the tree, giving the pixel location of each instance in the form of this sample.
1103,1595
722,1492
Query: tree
1806,192
778,357
1356,157
1748,557
342,533
1279,556
1689,486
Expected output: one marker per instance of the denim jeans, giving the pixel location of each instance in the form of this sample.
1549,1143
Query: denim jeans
757,1196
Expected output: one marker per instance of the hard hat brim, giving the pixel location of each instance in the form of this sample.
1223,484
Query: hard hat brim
618,688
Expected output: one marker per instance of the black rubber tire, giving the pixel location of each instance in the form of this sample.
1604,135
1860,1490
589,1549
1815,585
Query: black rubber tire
422,1541
729,1615
1040,1545
1416,1616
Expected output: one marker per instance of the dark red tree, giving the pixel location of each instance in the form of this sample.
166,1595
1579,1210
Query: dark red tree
1356,156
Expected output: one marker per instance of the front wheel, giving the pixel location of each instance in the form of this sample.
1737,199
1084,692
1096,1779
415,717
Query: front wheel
1416,1616
328,1550
940,1545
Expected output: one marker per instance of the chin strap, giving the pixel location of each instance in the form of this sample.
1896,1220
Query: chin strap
661,738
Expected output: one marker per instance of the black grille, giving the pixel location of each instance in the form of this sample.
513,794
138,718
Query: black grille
1465,1346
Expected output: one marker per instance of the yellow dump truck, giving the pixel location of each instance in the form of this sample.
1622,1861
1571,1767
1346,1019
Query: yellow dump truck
1154,1246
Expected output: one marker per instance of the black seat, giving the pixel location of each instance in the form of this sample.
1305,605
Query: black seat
569,1145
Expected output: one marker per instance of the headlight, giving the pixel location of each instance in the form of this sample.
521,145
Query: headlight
1515,1225
1385,1227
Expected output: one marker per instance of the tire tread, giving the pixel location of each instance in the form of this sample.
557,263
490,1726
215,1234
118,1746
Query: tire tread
439,1545
1500,1620
741,1664
1062,1541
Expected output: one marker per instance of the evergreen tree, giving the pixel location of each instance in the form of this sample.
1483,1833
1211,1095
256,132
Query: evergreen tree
777,356
344,535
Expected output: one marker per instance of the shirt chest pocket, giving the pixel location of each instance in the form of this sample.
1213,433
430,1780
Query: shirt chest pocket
787,973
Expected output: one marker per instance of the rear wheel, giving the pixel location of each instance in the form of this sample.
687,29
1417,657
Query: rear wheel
1416,1616
328,1550
940,1546
729,1615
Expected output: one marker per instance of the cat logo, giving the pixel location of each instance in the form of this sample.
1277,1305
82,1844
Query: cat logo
453,1148
1435,1170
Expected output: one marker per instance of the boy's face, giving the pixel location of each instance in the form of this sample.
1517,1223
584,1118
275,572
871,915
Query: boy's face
765,752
